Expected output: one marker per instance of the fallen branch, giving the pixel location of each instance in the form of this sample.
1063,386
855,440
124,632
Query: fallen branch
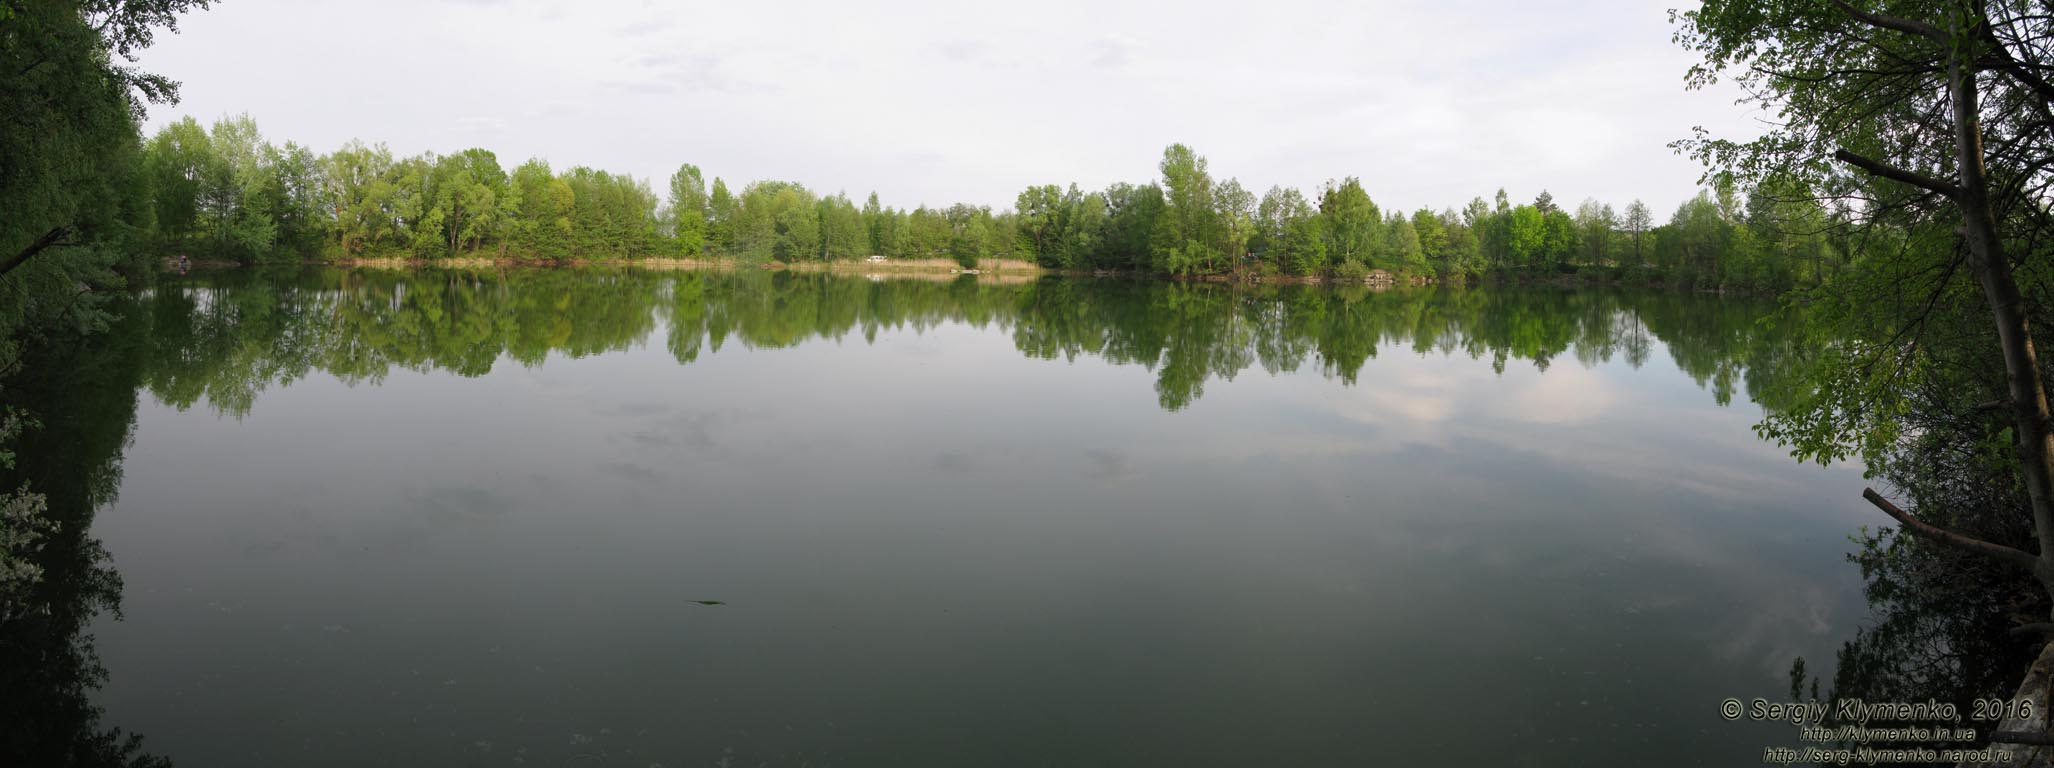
2041,628
48,239
2001,553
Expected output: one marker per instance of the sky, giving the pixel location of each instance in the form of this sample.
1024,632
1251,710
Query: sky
1429,103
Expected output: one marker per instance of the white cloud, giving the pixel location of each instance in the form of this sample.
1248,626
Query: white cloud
1431,103
1564,394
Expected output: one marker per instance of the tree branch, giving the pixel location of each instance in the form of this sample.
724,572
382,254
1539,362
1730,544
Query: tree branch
2041,628
2001,553
1881,21
2009,63
48,239
1894,173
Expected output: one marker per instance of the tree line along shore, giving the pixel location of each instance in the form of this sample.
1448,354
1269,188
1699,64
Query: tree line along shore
225,194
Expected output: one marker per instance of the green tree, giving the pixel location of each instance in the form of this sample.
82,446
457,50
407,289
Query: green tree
1234,214
179,159
1596,225
1525,236
468,189
1931,114
539,212
296,199
1559,241
721,208
1039,212
689,208
1130,223
876,221
1351,221
841,230
1638,221
1188,234
1402,249
928,234
358,185
1084,223
233,196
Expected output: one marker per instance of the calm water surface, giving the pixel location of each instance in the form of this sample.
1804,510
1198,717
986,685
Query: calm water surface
690,519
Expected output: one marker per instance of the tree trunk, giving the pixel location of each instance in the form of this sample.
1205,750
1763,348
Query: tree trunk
2021,364
1993,272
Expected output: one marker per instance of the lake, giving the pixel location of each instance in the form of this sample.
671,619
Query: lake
748,518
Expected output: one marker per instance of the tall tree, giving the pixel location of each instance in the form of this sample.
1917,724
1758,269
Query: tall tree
1596,224
179,160
720,214
841,229
1234,212
874,224
1938,109
1351,221
470,185
689,209
1039,214
1637,222
1187,236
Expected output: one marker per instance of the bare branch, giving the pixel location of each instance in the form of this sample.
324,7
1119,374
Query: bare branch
1894,173
2009,63
48,239
2001,553
1881,21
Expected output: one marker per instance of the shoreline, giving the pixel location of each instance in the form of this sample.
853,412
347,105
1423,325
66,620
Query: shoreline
909,266
1006,271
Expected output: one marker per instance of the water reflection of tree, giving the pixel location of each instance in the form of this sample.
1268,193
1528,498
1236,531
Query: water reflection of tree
225,340
1941,619
85,398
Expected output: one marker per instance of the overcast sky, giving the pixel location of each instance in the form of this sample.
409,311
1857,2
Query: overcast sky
1430,103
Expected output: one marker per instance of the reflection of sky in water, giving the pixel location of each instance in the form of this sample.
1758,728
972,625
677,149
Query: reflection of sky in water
934,550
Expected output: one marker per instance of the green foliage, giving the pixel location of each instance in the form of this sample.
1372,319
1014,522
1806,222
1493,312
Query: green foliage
975,235
1558,239
1351,221
927,235
842,235
64,471
688,211
469,189
230,194
1288,233
1131,214
1188,235
537,213
238,333
1402,251
1526,236
23,526
611,216
75,208
1923,133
